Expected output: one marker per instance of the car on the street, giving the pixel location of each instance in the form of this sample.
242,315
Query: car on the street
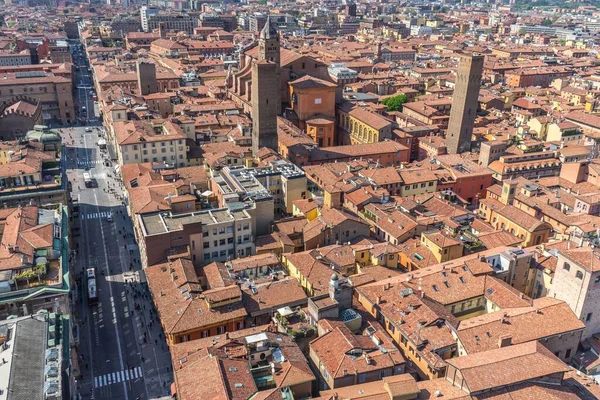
109,218
88,129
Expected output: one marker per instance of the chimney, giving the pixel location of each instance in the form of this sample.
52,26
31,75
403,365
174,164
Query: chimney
378,299
505,341
367,359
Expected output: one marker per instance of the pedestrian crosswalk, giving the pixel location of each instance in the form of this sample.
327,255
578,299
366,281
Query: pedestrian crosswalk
88,163
119,376
96,215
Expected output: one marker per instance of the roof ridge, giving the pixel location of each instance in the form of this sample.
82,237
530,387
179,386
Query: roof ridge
188,304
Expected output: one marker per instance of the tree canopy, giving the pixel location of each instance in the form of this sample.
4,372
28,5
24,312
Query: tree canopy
394,103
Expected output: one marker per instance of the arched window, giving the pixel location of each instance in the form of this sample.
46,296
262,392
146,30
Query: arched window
567,267
579,275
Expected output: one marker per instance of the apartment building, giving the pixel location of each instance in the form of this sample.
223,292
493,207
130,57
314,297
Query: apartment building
505,213
494,374
466,178
511,219
210,235
11,59
125,77
443,246
260,364
148,141
34,254
271,189
32,174
344,359
526,77
152,18
487,310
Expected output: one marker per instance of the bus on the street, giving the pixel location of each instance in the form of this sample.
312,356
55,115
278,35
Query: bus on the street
87,178
91,285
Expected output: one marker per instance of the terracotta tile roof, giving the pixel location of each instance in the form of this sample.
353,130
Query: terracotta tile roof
384,248
291,226
185,310
441,239
305,205
21,236
382,176
503,295
151,198
545,318
270,296
515,215
585,257
430,387
374,120
395,223
478,267
372,273
209,368
333,349
217,275
419,255
136,132
191,347
413,316
251,262
533,390
584,118
356,151
272,242
167,44
518,363
329,218
30,163
314,271
395,386
222,294
498,238
308,82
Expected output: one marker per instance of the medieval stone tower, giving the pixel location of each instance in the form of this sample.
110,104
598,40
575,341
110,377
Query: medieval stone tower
464,104
266,90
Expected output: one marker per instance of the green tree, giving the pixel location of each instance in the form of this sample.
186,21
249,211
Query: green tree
394,103
547,22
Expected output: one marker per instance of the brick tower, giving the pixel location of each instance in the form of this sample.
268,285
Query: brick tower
266,90
464,104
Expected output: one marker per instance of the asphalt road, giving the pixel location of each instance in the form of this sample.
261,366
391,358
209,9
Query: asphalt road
123,352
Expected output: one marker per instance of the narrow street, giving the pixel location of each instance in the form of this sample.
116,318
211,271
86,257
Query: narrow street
123,352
